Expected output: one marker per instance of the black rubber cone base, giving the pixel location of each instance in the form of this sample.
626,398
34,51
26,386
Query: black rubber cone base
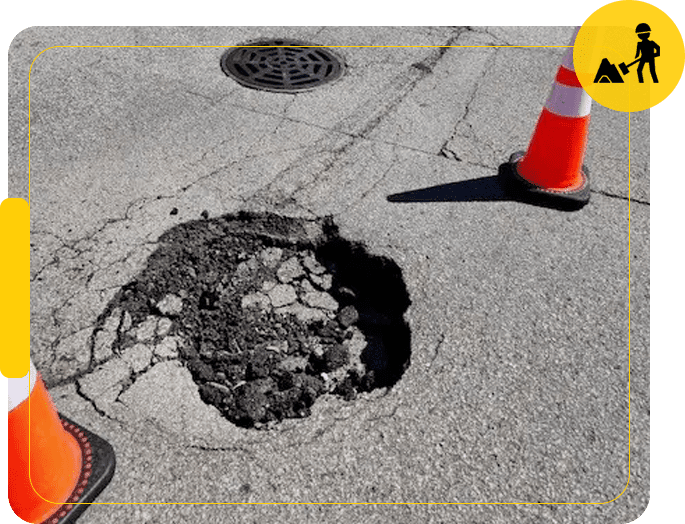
523,191
97,469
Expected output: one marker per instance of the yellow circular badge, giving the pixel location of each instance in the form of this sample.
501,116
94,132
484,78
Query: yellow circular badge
628,55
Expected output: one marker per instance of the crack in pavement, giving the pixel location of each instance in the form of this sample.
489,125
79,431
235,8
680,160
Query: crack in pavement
89,238
436,351
375,184
212,101
620,197
233,449
81,394
282,117
445,150
354,127
362,404
598,191
486,32
370,114
384,416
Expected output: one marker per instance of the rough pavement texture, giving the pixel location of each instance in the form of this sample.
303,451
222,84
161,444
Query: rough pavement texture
518,385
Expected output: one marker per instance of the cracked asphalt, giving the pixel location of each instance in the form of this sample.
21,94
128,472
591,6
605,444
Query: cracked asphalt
518,389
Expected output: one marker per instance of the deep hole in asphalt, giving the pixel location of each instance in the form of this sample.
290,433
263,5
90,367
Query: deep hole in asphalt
269,313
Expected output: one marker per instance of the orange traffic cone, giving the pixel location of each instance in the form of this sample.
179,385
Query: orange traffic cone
54,464
551,172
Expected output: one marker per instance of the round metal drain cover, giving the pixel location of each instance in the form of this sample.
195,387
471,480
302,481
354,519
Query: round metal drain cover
284,66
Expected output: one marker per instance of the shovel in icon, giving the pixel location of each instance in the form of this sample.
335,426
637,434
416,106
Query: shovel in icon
624,67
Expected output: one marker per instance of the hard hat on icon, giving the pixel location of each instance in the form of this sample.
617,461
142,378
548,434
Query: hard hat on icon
642,28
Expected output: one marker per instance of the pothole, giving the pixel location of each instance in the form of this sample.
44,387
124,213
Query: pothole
285,66
268,313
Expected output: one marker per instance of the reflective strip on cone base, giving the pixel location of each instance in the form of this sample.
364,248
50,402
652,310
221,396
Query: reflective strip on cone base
55,457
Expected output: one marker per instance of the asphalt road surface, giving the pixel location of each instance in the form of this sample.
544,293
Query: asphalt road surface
526,398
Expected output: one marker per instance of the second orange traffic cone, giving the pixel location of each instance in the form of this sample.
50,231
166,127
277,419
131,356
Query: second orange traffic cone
55,466
551,172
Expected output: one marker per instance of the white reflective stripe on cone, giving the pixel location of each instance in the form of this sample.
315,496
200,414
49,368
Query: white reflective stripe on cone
569,101
19,389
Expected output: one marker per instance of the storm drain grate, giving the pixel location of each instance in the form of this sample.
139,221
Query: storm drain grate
285,66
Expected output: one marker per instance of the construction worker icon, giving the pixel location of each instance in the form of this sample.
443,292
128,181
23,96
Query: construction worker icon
647,51
626,31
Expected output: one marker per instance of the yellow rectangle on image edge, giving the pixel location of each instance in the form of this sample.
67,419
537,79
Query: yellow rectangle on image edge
15,287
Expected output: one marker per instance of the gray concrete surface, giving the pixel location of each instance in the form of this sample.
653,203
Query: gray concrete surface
518,389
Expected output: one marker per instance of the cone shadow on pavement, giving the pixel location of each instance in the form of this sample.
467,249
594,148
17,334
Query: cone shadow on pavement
477,190
484,189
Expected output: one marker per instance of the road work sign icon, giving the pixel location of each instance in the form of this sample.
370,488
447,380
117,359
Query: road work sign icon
617,44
